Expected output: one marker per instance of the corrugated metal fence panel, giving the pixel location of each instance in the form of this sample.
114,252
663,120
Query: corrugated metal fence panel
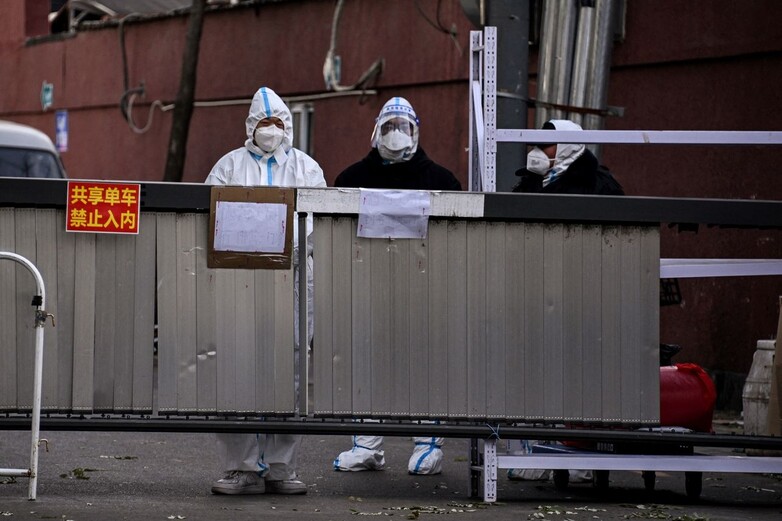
225,343
477,346
573,269
482,320
33,234
455,267
611,332
167,311
283,342
649,343
82,301
123,295
418,330
143,313
46,262
105,322
514,321
8,310
378,300
437,373
92,288
225,337
264,340
553,316
489,320
591,346
124,289
326,303
342,286
533,344
206,326
496,325
25,322
66,280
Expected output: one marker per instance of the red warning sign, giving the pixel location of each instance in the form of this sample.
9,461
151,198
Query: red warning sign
103,207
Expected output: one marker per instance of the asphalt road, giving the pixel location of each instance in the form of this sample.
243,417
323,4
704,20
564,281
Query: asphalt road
162,476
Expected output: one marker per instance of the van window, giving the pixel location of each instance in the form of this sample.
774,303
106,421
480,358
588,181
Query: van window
27,162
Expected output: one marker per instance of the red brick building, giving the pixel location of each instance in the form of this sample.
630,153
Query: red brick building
697,65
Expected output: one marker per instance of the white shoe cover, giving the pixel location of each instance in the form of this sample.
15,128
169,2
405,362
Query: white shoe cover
525,447
580,476
529,474
366,454
427,456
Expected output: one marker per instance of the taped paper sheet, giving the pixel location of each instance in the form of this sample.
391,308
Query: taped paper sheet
393,214
250,227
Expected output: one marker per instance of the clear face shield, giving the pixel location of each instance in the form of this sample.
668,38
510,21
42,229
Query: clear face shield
396,136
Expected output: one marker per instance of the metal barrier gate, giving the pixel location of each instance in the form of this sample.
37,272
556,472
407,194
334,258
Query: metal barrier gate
39,301
112,280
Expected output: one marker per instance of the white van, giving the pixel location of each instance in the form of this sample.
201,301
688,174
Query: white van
27,152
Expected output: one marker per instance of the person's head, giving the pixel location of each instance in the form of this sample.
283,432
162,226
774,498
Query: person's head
396,131
546,156
269,124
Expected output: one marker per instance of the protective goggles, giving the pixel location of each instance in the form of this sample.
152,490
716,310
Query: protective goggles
401,122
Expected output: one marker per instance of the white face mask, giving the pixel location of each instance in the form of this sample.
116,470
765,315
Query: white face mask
268,138
538,162
394,145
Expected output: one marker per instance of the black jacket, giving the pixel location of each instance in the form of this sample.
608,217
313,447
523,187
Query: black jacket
583,176
419,173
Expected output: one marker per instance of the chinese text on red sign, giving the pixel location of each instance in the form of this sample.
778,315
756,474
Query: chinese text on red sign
102,207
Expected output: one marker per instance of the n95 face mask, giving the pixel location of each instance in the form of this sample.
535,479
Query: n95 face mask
268,138
394,145
538,162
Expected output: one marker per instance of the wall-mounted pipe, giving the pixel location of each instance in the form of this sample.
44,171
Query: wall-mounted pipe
555,58
575,60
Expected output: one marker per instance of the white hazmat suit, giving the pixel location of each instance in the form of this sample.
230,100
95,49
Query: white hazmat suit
268,456
396,137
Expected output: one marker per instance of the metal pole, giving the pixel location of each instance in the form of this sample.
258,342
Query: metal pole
642,137
40,319
302,392
596,95
585,40
556,58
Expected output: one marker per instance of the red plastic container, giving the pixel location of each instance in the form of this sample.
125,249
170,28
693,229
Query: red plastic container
687,397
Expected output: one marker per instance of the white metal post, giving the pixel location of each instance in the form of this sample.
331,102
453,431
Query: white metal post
489,173
490,470
303,347
40,320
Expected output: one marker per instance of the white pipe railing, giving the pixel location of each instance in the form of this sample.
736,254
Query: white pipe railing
39,301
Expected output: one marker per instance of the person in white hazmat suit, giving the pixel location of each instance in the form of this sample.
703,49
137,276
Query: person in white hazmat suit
395,162
258,463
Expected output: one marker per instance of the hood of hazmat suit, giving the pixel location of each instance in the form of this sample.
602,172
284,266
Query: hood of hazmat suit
566,152
267,104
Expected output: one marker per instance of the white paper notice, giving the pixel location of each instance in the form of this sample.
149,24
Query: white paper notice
393,214
250,227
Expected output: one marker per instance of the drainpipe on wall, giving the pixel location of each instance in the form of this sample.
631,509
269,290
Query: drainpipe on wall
555,58
600,65
575,60
580,77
